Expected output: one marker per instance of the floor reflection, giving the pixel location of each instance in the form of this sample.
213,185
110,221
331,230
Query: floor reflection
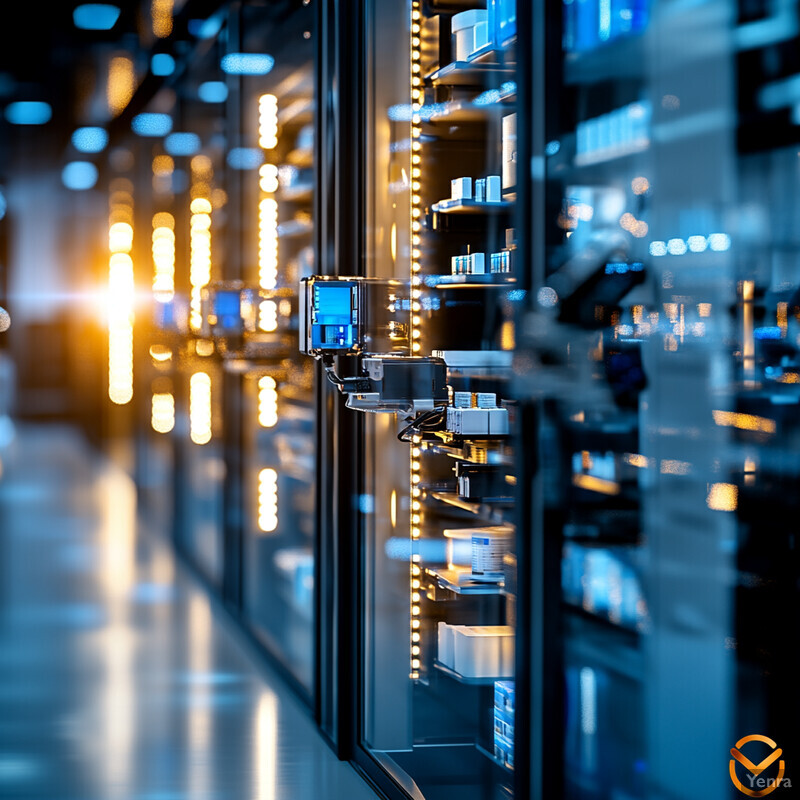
118,679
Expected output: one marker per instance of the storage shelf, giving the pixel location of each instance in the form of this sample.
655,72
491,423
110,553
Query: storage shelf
457,676
450,206
470,73
493,512
298,193
459,453
445,577
485,279
483,751
301,157
466,111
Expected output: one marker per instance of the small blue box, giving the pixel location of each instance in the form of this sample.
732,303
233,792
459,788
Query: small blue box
504,725
504,696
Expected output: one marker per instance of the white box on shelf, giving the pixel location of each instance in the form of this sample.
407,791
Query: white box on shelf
509,137
467,421
463,27
483,651
498,421
461,189
494,193
477,263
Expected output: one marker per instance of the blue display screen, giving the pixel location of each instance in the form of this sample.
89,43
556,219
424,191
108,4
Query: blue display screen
227,309
335,316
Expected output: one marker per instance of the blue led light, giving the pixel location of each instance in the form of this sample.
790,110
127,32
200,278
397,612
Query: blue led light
205,28
90,140
212,92
162,64
245,158
769,332
3,204
151,124
95,17
182,144
28,112
79,175
247,63
552,147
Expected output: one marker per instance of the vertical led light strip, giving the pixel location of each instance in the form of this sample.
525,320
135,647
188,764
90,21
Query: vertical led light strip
120,293
163,257
268,205
268,500
199,256
417,97
267,402
200,408
162,416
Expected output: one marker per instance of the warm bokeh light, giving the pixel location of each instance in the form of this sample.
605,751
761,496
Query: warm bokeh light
163,257
267,500
162,416
161,12
120,328
121,84
200,408
267,121
268,316
723,497
268,243
267,402
199,255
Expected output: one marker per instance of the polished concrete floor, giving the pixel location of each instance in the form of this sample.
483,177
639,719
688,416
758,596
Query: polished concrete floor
118,677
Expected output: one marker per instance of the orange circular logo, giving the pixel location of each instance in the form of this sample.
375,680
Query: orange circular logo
759,786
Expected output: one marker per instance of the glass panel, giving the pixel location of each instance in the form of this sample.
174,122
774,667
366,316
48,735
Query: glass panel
439,543
279,465
662,337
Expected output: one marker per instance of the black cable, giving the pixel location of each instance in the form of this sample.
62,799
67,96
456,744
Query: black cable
418,423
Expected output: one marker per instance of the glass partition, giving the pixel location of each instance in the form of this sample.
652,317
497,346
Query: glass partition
439,576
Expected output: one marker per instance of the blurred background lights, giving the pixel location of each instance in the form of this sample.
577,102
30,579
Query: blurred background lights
245,158
212,92
697,244
151,124
546,297
161,14
658,248
3,204
205,28
640,185
28,112
95,17
121,83
247,63
90,140
676,247
719,242
79,175
182,144
162,64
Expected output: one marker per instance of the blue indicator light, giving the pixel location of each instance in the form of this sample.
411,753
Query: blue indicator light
247,63
151,124
162,64
245,158
90,140
212,92
79,175
95,17
182,144
28,112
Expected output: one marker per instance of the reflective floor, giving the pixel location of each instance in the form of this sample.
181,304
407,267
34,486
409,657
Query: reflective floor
118,677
